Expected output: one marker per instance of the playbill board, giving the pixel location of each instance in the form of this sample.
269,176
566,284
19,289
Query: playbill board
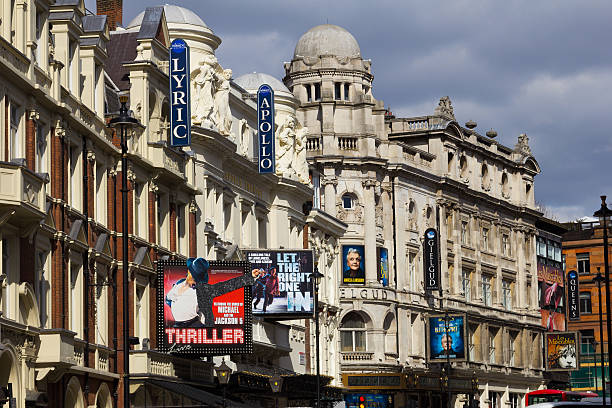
446,337
353,265
561,351
203,308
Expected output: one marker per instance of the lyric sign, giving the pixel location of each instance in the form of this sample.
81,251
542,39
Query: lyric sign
265,128
431,259
180,101
573,296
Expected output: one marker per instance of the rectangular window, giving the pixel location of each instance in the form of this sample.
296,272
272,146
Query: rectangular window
585,302
492,350
507,294
71,66
583,262
317,92
308,92
180,229
6,293
512,349
505,245
137,207
337,90
141,314
466,284
41,148
485,239
412,272
486,290
96,90
101,306
101,193
587,342
515,400
558,256
541,247
76,180
464,232
346,92
76,302
262,232
43,287
563,262
40,47
15,136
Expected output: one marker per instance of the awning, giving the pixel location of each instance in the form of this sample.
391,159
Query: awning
206,398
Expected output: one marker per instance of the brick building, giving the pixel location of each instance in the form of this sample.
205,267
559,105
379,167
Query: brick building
583,251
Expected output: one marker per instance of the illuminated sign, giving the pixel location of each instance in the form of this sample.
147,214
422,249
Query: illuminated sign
446,338
282,285
431,260
180,103
573,296
201,307
265,128
562,351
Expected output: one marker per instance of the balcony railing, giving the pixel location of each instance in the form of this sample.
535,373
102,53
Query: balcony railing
149,362
352,356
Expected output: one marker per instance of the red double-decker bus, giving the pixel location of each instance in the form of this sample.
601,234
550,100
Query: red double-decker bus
536,397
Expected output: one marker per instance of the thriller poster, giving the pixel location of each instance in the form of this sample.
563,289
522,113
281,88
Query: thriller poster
201,307
562,351
282,285
446,340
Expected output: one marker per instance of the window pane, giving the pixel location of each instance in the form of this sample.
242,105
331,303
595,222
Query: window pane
360,341
346,340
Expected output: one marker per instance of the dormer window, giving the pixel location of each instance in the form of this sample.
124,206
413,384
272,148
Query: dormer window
348,201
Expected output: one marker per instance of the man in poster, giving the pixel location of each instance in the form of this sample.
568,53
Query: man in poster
352,270
446,339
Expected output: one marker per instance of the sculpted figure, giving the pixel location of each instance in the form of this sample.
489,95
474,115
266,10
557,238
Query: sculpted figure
245,138
285,148
202,80
223,115
300,163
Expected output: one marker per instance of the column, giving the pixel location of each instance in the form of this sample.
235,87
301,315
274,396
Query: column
329,182
30,139
369,217
153,189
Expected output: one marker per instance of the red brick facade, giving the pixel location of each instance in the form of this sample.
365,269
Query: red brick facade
113,9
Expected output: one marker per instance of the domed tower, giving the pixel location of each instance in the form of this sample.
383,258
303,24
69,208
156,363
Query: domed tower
334,86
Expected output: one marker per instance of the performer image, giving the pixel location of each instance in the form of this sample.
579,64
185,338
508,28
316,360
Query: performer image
191,298
259,287
271,288
353,261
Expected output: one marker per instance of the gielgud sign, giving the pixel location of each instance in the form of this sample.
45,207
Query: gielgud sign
431,259
204,307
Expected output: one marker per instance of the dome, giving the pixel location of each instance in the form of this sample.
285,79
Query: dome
327,39
174,15
252,82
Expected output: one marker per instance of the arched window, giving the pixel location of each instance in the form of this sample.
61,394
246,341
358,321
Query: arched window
505,185
463,167
484,174
74,394
390,329
353,333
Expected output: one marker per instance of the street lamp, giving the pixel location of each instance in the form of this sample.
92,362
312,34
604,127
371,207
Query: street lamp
276,383
124,122
223,376
599,279
315,277
604,216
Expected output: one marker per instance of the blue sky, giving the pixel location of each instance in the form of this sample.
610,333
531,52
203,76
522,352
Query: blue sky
538,67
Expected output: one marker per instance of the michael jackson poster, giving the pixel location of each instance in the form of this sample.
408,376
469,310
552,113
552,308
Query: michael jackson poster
282,286
201,307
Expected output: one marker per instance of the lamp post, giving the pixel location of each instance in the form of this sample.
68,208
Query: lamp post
124,122
604,216
223,376
316,280
276,383
599,279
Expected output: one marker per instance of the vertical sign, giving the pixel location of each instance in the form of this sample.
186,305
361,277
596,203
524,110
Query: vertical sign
573,296
180,109
382,256
265,128
431,260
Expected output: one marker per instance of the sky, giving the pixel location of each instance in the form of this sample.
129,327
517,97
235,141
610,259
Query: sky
543,68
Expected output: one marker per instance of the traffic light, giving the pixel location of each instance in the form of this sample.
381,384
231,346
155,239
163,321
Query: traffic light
362,400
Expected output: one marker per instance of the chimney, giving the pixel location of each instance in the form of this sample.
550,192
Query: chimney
113,9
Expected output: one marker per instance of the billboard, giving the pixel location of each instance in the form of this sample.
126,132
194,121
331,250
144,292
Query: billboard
180,109
431,259
446,341
552,292
265,128
353,265
562,351
282,285
201,307
573,296
382,263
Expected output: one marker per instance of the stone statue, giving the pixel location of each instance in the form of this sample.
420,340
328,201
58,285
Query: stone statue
300,163
245,138
202,95
285,147
223,115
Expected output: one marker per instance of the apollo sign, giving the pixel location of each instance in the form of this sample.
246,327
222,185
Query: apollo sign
431,259
180,109
265,128
573,296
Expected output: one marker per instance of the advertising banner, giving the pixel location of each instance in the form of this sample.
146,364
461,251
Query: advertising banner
446,340
382,274
431,259
265,128
201,307
180,100
552,291
282,285
353,265
562,351
573,296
